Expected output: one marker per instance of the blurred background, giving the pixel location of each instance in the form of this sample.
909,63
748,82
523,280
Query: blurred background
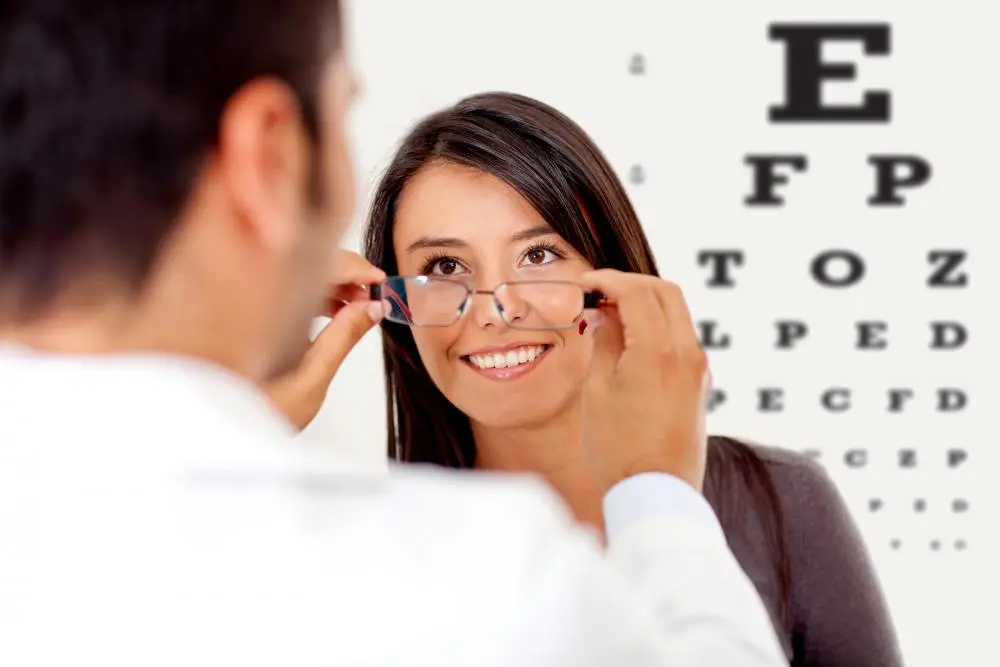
855,324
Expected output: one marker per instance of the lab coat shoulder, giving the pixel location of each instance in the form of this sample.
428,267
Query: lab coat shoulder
473,567
501,558
486,526
523,502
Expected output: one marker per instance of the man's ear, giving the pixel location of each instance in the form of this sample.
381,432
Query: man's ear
263,159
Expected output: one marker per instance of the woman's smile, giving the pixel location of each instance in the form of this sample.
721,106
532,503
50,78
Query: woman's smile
508,362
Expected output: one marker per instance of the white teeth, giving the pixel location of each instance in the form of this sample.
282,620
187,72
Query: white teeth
524,355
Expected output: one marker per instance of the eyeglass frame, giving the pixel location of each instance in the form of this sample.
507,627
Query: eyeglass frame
592,299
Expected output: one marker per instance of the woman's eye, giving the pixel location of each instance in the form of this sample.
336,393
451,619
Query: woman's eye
446,266
539,256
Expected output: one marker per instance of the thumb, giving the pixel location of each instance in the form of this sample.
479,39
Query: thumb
339,336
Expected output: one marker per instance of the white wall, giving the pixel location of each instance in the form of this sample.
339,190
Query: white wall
689,121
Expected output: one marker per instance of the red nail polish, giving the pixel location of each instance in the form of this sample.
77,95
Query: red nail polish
583,326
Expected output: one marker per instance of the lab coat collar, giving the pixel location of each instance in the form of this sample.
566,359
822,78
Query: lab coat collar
198,379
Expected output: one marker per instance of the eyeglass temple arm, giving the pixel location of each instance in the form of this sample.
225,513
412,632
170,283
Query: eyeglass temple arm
593,300
379,291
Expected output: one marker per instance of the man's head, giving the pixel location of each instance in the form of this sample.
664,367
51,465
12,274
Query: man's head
174,174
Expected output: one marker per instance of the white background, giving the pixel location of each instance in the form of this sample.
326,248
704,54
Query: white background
700,108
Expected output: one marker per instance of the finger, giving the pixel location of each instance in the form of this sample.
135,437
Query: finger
342,295
678,314
349,293
349,278
350,268
338,338
608,345
643,319
691,355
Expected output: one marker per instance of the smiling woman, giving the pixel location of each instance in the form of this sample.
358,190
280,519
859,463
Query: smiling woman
456,223
495,197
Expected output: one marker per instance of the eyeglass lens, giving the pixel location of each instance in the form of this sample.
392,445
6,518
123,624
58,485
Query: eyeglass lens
540,305
429,302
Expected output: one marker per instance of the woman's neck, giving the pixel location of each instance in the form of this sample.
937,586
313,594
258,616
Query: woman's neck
553,450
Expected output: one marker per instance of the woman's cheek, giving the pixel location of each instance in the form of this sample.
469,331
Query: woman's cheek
433,345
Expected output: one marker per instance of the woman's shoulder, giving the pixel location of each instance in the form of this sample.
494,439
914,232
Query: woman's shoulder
791,472
832,585
778,485
777,458
780,457
800,477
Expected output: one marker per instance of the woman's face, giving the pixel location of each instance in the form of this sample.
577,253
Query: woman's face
459,223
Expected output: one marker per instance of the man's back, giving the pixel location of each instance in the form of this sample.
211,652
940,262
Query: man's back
190,200
148,525
157,511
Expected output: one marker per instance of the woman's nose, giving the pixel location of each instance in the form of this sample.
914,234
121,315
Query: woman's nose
485,311
514,303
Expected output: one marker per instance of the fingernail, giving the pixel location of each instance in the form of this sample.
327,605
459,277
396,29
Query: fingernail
375,311
583,326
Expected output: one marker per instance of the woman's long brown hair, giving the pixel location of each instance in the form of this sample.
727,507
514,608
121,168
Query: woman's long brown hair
557,168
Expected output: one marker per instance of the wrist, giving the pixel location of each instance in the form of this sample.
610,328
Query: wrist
688,472
652,495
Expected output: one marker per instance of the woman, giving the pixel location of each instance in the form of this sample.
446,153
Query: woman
502,188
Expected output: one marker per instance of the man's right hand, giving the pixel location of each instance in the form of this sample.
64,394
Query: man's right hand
646,398
300,393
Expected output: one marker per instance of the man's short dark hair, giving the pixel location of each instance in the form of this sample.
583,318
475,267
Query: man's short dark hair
108,109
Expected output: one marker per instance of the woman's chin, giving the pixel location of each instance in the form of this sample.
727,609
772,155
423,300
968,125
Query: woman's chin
515,412
525,401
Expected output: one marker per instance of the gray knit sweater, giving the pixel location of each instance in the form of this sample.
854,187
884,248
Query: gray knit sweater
835,614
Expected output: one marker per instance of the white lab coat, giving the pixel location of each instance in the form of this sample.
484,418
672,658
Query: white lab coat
156,511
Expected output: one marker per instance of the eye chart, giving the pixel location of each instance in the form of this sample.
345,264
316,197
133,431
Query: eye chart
819,178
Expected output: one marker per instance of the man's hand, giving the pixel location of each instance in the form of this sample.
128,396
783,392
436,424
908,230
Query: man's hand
646,398
300,393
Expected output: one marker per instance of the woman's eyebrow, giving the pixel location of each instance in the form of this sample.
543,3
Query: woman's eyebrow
532,233
436,242
425,242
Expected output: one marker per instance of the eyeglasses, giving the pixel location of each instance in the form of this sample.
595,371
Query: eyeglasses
537,305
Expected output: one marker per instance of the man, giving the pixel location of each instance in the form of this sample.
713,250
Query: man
174,178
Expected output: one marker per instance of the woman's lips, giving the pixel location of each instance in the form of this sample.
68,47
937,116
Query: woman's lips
507,364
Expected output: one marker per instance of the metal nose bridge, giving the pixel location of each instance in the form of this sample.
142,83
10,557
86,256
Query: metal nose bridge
485,292
498,306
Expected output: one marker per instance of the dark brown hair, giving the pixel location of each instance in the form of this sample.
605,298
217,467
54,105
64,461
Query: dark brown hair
557,168
108,111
